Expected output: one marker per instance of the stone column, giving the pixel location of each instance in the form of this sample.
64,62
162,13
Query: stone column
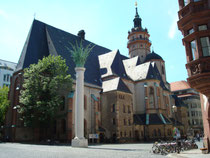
79,140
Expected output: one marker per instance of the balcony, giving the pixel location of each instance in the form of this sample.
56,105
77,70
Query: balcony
192,8
199,75
138,39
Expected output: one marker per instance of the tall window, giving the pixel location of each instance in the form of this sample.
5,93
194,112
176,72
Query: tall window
8,77
159,132
62,107
205,44
113,108
124,108
124,122
85,102
129,111
202,27
193,49
151,97
63,125
113,121
155,133
5,76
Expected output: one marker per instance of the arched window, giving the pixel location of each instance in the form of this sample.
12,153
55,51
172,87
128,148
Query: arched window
159,132
155,133
151,97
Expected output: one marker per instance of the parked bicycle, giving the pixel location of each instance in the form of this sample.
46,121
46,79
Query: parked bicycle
165,148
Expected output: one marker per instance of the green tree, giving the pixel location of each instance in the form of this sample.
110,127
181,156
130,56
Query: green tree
4,103
40,97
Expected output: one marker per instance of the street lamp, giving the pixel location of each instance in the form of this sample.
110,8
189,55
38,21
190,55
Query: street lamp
176,129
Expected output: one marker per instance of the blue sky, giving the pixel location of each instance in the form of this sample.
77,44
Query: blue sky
106,22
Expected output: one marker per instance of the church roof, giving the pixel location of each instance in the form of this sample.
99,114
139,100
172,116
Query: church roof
111,64
115,84
44,40
151,119
37,46
152,56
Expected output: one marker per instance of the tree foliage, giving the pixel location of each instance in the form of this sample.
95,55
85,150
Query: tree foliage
4,103
40,98
80,53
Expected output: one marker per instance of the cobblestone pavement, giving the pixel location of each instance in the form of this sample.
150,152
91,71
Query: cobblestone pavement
16,150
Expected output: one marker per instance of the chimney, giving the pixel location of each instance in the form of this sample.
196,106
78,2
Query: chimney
81,34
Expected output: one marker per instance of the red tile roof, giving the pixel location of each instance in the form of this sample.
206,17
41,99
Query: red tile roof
179,85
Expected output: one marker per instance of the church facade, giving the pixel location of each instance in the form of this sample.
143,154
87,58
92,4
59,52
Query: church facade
126,98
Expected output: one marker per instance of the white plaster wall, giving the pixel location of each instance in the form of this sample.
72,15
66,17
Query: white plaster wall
140,98
152,84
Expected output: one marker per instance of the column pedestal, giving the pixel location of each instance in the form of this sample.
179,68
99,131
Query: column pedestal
79,140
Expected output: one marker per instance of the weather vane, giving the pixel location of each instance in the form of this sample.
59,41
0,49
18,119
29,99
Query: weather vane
136,4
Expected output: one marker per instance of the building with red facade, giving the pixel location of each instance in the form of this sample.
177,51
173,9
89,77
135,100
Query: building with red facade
194,23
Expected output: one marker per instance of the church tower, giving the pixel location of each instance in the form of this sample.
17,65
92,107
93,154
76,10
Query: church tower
138,39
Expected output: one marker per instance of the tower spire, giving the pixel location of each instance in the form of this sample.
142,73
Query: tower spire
137,19
137,15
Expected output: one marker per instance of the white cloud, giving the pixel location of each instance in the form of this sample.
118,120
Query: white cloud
173,28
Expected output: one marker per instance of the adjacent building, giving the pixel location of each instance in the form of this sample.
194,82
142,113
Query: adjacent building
6,70
190,99
126,98
194,23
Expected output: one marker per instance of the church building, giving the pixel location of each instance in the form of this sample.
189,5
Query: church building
126,98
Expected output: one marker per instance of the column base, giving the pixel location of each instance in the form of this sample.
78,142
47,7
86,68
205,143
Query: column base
79,143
